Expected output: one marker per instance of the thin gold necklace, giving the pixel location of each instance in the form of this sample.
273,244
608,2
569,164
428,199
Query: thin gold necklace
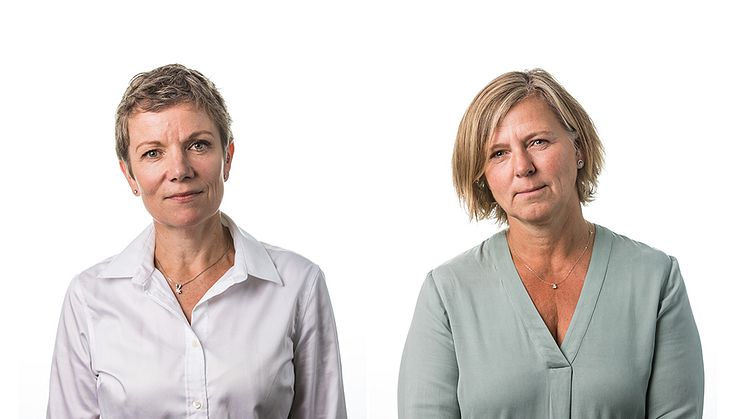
555,285
179,286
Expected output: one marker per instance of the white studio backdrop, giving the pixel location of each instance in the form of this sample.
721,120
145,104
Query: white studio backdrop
345,114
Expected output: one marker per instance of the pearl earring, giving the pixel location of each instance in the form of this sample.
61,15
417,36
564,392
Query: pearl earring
581,163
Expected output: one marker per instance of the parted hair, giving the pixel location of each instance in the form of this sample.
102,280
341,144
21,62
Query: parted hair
485,113
164,87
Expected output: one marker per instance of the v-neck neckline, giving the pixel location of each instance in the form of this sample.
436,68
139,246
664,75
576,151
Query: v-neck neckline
556,356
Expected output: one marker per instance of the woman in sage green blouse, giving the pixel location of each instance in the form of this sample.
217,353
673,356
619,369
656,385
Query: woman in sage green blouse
553,317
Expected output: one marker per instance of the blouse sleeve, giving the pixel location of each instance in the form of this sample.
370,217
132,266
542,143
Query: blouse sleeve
72,385
428,376
318,370
676,387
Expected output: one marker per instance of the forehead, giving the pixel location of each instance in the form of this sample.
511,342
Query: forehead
526,118
177,121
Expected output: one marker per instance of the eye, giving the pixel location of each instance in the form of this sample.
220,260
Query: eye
151,154
540,142
498,154
200,145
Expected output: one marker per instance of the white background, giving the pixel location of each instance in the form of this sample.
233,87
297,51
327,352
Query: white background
345,115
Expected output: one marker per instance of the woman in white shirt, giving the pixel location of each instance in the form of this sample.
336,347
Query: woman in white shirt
195,318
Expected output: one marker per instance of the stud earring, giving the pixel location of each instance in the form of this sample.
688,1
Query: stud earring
134,191
581,163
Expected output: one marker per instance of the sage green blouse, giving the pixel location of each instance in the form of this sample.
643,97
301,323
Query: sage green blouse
477,347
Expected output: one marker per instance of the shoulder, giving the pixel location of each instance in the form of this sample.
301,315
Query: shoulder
95,270
635,253
470,268
633,265
135,260
466,261
299,277
87,283
273,263
291,265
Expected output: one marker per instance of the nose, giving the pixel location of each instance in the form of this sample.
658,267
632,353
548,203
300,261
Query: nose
179,167
522,164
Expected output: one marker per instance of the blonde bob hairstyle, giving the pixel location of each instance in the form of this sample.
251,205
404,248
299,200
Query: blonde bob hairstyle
483,116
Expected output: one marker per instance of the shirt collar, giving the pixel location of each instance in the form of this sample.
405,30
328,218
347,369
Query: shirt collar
251,257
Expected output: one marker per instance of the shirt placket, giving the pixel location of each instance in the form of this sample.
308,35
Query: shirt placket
560,391
196,375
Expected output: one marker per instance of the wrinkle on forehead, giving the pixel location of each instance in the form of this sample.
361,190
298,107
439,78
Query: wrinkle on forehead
169,125
526,119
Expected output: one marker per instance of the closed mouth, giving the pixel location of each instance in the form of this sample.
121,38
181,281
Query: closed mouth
531,190
183,195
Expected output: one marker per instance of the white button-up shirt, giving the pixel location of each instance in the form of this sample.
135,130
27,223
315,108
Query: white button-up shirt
262,343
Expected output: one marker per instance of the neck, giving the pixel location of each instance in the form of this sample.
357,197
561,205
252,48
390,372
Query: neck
192,248
555,239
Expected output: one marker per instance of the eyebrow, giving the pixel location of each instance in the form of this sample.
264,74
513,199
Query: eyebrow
492,145
190,138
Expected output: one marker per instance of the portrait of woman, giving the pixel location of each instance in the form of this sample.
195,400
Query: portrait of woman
554,316
195,317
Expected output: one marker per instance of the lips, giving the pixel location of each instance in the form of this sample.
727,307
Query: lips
530,190
183,196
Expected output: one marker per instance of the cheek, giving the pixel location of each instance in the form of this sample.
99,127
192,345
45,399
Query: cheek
498,174
567,177
571,171
214,172
148,177
498,183
147,180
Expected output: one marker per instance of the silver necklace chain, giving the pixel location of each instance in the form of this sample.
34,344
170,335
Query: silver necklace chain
555,285
179,286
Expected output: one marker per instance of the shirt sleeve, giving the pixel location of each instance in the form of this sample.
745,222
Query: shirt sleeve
72,385
428,376
676,387
318,370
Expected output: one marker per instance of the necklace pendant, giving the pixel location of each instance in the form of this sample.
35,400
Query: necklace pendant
178,288
554,286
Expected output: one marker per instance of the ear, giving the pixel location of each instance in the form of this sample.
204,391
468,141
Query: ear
578,153
126,172
228,161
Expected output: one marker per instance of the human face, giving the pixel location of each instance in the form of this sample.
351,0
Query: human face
177,164
531,165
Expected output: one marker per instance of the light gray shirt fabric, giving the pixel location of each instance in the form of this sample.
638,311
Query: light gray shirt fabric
478,348
262,343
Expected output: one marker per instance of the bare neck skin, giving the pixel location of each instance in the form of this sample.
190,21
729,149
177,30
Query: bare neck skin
547,246
184,252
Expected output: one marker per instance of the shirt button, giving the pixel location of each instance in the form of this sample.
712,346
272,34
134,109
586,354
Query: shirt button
197,404
195,343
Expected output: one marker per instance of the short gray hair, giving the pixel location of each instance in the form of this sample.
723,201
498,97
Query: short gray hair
164,87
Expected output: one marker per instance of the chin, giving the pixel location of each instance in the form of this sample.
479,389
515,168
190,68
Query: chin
185,219
534,215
